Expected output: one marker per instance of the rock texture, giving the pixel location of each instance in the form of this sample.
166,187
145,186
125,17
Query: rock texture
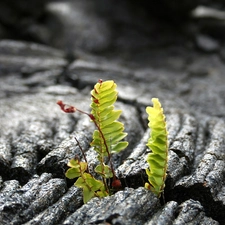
37,140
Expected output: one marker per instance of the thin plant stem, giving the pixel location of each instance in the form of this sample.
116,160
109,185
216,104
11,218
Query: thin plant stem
82,151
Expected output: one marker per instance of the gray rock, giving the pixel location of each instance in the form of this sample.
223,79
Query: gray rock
80,27
28,58
207,177
5,157
208,12
189,212
55,161
207,44
19,204
66,205
131,206
166,215
18,19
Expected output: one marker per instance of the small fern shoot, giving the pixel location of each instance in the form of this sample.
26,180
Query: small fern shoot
107,140
158,144
91,186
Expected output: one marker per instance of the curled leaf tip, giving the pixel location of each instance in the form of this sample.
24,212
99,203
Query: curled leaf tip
66,108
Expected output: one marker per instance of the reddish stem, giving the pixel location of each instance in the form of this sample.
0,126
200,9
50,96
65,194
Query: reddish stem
85,159
71,109
107,150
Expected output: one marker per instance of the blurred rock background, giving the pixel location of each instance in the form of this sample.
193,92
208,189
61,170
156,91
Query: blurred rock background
109,26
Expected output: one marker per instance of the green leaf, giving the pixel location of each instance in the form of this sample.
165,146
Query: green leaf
80,183
108,119
156,160
77,168
106,111
111,128
102,194
90,186
104,170
72,173
87,194
74,163
88,181
113,139
103,87
119,147
158,143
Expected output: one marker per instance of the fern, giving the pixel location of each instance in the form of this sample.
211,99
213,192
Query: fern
107,140
158,143
91,186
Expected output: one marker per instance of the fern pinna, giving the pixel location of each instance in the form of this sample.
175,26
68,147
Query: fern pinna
158,144
107,140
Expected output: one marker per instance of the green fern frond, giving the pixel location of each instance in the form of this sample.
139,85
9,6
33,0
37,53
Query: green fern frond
158,144
107,138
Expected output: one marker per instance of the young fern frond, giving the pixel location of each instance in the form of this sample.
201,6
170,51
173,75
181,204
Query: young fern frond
91,187
158,144
107,138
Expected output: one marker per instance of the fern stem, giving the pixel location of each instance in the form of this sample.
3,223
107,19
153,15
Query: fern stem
84,156
106,146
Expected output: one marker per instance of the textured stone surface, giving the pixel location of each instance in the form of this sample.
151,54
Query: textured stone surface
125,207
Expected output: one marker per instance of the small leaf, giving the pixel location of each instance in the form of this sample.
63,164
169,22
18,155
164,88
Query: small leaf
115,126
91,187
72,173
74,163
88,181
119,147
87,194
109,119
147,186
156,161
113,139
83,166
104,171
102,194
80,182
107,111
77,168
107,103
93,183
